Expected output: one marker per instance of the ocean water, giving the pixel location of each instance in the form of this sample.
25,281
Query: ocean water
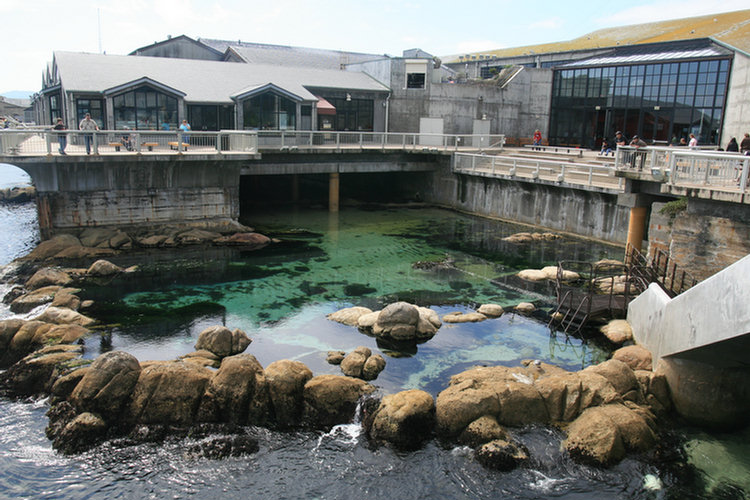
280,296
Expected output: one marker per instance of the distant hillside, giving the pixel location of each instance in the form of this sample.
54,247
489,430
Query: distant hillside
17,94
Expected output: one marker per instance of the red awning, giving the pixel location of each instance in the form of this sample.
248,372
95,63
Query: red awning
325,107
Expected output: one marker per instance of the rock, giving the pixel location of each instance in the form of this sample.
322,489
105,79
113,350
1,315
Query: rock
349,316
286,384
63,316
202,358
373,366
59,334
107,385
618,331
67,298
53,246
81,434
502,455
405,419
120,240
237,393
397,321
81,252
551,274
619,374
427,315
63,386
196,236
636,357
491,310
354,362
593,438
459,317
36,373
23,340
219,447
367,321
331,399
152,241
168,393
520,404
17,194
95,236
335,357
532,275
254,240
103,268
635,431
596,390
38,297
562,396
48,276
525,308
482,430
222,341
8,328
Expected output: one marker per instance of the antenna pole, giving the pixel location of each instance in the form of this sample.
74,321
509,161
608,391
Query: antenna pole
99,26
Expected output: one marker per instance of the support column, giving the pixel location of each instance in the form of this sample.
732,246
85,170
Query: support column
333,192
637,226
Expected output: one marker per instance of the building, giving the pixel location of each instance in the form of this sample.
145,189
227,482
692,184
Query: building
661,81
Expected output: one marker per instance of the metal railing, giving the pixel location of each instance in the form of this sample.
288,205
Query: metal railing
295,139
43,141
688,167
583,174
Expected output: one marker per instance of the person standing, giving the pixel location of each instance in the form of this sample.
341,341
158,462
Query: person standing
185,127
620,139
537,138
87,125
693,141
62,140
733,147
745,145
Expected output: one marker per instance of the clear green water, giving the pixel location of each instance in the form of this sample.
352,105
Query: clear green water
281,295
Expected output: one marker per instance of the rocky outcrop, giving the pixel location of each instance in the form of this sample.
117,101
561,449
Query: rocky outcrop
107,385
37,372
222,341
404,419
331,399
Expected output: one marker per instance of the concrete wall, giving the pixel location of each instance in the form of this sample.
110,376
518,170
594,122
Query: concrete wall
133,192
737,111
591,214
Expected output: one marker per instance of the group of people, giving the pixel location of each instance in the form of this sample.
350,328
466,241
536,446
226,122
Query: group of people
620,140
90,125
743,147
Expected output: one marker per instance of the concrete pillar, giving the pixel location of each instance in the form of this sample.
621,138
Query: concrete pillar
333,192
637,227
295,188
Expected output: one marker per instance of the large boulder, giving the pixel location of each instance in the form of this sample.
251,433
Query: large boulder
405,419
53,246
354,362
373,366
397,321
35,298
107,385
23,340
67,298
80,434
286,383
237,393
562,396
59,334
491,310
636,357
8,328
103,267
244,239
222,341
502,454
620,375
618,331
48,276
36,373
96,236
169,393
482,430
332,399
64,316
349,316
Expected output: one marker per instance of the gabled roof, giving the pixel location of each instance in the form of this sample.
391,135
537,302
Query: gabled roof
200,80
180,38
282,55
730,28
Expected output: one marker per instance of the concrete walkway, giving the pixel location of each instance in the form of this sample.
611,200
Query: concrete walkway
708,323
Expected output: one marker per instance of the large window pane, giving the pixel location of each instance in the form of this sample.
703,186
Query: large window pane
145,109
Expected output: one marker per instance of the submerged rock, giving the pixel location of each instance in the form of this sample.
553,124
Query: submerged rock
501,454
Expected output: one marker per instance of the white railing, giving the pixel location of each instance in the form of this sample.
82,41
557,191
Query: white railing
295,139
582,174
43,141
688,167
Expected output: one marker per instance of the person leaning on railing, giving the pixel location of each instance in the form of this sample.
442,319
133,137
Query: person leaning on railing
62,140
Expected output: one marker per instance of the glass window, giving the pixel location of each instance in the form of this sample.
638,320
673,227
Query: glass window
54,108
144,108
415,80
269,111
95,107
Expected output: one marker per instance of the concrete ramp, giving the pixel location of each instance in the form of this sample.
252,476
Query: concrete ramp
708,323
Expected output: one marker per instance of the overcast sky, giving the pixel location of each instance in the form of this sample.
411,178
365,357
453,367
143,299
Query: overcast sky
33,29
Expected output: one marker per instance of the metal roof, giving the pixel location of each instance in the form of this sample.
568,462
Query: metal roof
651,53
201,80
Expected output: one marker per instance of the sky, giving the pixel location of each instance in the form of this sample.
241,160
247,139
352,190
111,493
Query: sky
34,29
